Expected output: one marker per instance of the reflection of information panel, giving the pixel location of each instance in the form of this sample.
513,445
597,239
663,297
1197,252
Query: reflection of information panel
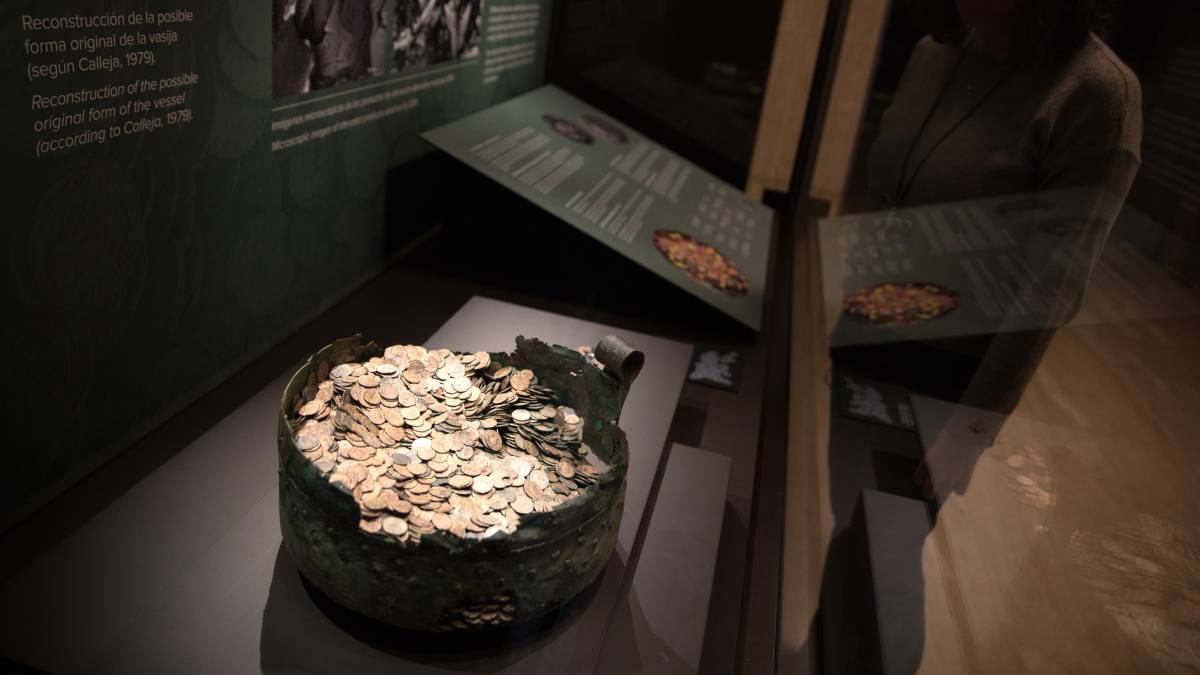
1005,262
630,193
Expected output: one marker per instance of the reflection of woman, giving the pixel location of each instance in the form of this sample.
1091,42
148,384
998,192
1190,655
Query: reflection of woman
1011,97
1005,97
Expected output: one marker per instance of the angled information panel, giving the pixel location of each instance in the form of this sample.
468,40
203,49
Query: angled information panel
626,191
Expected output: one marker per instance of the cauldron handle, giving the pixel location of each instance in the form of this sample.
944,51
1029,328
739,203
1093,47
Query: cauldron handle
619,358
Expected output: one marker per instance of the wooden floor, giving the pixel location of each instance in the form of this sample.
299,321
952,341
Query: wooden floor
1076,546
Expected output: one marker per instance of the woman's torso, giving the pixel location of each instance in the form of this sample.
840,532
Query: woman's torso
962,126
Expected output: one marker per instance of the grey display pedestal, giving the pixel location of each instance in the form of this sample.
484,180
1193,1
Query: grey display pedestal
658,625
895,529
184,573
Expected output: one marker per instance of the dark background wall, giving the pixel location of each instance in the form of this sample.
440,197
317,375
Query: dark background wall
141,272
691,74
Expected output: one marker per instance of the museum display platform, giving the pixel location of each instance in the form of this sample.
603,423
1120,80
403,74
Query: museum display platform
169,559
918,309
185,571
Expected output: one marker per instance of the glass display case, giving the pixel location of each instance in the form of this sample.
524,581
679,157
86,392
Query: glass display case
433,336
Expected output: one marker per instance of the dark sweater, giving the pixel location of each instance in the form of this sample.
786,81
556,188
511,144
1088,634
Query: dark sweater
1040,124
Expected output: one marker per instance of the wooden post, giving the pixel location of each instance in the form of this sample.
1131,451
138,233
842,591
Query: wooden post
797,43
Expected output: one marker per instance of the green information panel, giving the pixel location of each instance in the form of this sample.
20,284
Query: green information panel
189,181
628,192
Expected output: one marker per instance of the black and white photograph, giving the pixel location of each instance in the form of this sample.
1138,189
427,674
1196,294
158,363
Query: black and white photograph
435,31
569,129
320,43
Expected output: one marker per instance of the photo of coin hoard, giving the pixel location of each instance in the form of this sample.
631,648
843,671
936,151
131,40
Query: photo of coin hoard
435,31
702,262
569,129
443,491
901,303
320,43
606,129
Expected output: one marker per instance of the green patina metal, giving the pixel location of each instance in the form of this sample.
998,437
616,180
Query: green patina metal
546,562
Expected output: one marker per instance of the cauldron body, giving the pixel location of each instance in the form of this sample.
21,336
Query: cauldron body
538,568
